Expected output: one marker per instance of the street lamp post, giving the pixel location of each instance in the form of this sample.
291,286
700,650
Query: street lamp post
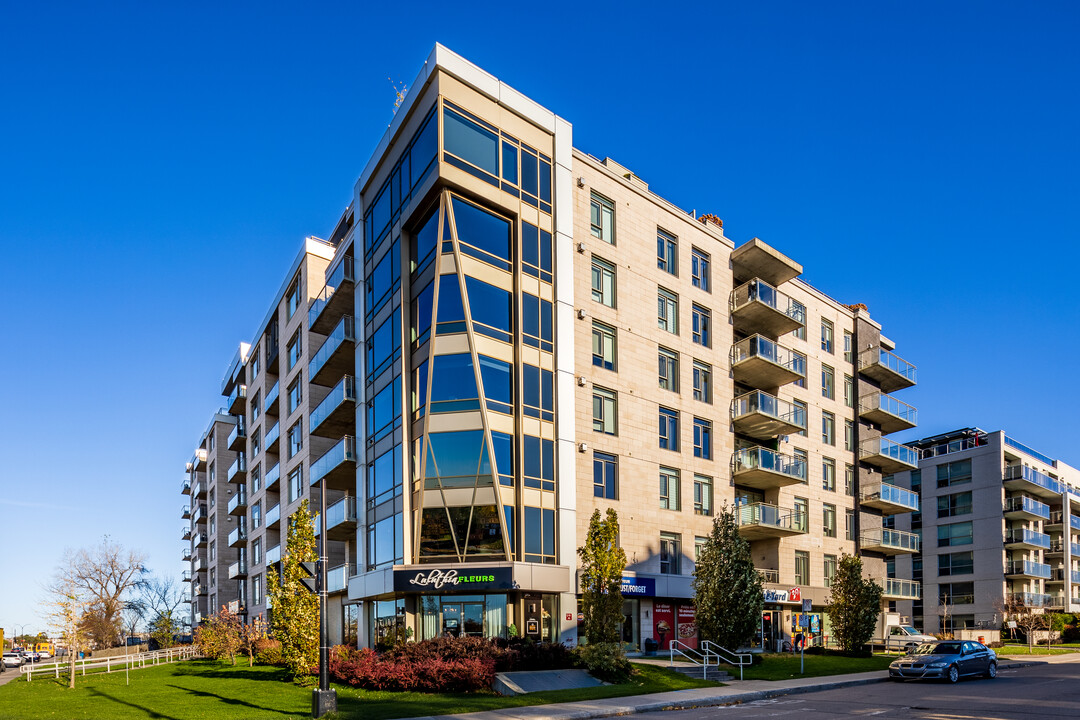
323,700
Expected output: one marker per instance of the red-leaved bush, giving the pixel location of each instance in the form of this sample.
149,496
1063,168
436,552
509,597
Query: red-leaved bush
368,670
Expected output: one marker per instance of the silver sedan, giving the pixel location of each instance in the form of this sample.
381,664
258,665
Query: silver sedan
946,660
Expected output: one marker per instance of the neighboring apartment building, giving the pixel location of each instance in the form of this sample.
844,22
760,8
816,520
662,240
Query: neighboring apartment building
1001,529
536,335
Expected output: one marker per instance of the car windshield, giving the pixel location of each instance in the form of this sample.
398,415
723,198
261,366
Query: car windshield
946,648
909,630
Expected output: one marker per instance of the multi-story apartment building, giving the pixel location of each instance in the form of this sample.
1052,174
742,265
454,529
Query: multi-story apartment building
536,335
1001,529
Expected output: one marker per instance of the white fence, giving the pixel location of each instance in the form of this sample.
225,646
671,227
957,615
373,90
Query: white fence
111,664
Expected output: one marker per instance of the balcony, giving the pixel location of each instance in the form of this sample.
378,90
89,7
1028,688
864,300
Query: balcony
238,570
886,411
755,259
185,576
198,460
1023,478
185,533
270,404
337,468
272,477
238,437
336,357
185,599
186,555
762,363
199,539
761,415
890,456
757,306
185,487
897,589
238,502
335,299
1027,599
237,402
890,542
769,575
340,520
1057,517
890,371
1057,547
1024,539
1057,576
890,499
1019,569
198,516
273,516
1023,507
237,537
337,578
185,512
270,442
766,469
758,521
199,490
198,564
238,469
336,415
200,589
273,555
1058,602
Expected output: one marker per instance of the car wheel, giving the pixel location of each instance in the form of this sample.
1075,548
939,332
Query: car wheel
991,670
953,674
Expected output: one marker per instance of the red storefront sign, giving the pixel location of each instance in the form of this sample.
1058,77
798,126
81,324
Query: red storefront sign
663,624
686,626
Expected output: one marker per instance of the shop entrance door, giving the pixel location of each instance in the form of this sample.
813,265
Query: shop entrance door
463,619
771,630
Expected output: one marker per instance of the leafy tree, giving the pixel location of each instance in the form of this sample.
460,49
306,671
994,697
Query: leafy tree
219,636
66,605
727,586
854,605
295,620
163,629
602,565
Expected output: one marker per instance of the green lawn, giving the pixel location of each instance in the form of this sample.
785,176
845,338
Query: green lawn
783,666
1014,650
204,690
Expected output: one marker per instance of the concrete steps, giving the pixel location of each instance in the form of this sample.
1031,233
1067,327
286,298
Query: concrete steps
713,674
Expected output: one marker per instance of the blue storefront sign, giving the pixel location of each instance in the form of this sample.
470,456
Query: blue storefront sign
638,587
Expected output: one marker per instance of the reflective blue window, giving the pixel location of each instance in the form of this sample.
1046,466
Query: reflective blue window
470,141
384,476
424,241
539,463
536,327
457,455
503,451
421,312
453,384
482,234
382,413
539,535
382,280
538,392
508,515
384,345
535,251
451,311
498,384
510,163
425,148
420,390
491,309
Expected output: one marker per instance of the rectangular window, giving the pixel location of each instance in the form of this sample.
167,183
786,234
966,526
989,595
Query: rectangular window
292,299
602,218
829,569
703,495
702,382
828,474
295,350
699,547
256,406
296,483
702,438
849,480
213,553
296,438
667,252
849,435
954,534
801,411
828,520
603,282
826,335
256,589
828,382
296,393
700,271
668,361
953,505
670,553
702,326
669,488
256,551
667,311
603,346
798,310
605,476
961,563
849,391
669,429
802,458
254,364
802,567
954,473
849,347
961,593
256,442
849,524
256,515
604,406
256,479
801,520
828,428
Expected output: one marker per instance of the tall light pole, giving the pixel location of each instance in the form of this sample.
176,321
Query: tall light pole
323,700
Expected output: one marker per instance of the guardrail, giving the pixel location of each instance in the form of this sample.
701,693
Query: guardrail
727,656
111,664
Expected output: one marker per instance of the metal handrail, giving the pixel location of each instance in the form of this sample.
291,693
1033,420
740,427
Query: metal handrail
694,656
727,656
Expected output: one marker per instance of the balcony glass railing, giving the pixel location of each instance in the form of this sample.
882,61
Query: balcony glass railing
1023,503
343,273
272,476
343,391
1028,568
343,333
1023,472
768,575
757,346
764,459
237,569
887,448
344,510
238,394
1027,599
888,404
762,402
1028,537
272,395
238,500
1059,575
185,487
898,539
199,514
344,451
273,555
237,433
237,535
881,356
273,515
337,578
272,436
896,587
892,494
766,515
764,293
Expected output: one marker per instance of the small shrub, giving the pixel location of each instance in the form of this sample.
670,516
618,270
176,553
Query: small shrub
371,671
268,652
606,661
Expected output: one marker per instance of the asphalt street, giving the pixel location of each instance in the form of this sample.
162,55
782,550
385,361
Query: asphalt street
1041,691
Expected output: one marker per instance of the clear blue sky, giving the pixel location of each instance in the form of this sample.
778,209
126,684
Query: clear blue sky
160,166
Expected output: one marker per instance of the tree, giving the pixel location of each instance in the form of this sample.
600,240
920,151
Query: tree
250,636
67,604
854,604
295,621
1029,618
163,629
727,586
219,636
106,575
602,565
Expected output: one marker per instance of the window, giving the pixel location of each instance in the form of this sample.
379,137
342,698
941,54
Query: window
254,364
849,347
953,505
256,442
296,393
954,534
954,473
668,361
296,483
802,567
669,429
849,524
602,218
829,569
702,438
292,299
211,471
802,514
828,382
670,553
667,312
700,271
536,322
849,480
256,479
798,310
605,476
603,282
669,489
539,463
538,392
828,428
962,593
702,382
828,520
801,410
603,346
849,435
213,554
961,563
296,438
701,326
828,474
604,406
256,516
256,589
849,391
212,498
295,350
256,551
826,335
802,459
703,495
667,252
539,527
699,547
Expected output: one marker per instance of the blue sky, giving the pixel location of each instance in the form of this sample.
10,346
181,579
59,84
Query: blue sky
161,164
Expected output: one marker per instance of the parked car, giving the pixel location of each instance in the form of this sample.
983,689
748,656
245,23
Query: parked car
12,659
31,656
945,660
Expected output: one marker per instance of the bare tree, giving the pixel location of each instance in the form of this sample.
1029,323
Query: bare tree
1029,618
67,604
106,575
160,595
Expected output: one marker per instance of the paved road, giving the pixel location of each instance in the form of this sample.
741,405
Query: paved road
1042,691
